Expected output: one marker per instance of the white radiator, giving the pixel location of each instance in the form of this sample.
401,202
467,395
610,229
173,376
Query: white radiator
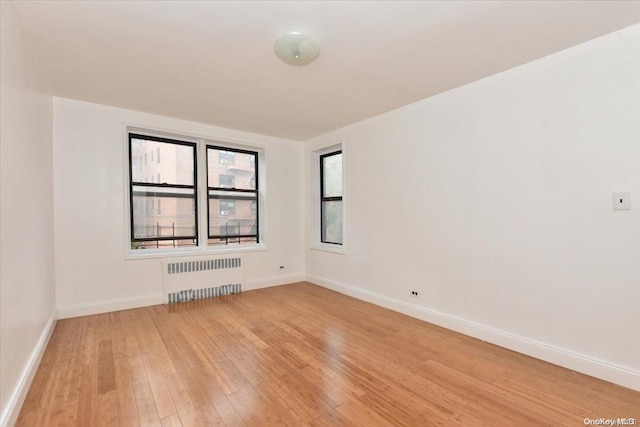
198,278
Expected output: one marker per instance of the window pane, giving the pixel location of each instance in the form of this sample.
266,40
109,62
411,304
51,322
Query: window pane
332,222
226,181
226,157
177,217
232,227
173,162
232,213
230,169
156,244
218,241
332,175
227,207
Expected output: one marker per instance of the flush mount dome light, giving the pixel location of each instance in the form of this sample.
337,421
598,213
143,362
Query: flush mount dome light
296,49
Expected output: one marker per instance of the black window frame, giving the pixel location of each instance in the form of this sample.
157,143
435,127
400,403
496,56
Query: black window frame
254,191
324,199
194,187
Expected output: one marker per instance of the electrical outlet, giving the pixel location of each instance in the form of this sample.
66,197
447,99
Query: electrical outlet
621,201
282,267
414,293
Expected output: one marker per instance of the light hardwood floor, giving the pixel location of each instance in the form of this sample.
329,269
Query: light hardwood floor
298,355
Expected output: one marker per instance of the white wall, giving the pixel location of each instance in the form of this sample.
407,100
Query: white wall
494,200
92,274
27,306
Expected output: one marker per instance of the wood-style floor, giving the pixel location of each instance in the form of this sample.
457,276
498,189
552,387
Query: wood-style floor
298,355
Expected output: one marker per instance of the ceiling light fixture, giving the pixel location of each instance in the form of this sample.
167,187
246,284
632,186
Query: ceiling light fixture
296,49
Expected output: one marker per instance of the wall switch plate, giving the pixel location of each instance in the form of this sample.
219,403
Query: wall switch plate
621,201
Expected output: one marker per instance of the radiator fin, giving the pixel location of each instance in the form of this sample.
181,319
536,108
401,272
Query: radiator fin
196,294
203,265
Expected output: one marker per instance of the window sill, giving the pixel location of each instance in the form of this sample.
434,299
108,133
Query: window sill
336,249
170,253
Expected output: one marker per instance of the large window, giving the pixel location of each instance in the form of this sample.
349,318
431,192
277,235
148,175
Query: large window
331,198
162,214
232,191
164,207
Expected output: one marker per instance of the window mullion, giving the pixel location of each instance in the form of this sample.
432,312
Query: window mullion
203,208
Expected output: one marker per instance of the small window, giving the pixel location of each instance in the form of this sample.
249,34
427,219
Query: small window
331,198
227,207
226,157
227,181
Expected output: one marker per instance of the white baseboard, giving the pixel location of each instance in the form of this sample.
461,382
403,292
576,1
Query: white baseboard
251,285
108,306
14,404
68,311
558,356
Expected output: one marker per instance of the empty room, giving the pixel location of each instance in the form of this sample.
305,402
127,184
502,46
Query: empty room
319,213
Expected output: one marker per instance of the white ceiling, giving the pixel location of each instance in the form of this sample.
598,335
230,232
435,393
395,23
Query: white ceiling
213,62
